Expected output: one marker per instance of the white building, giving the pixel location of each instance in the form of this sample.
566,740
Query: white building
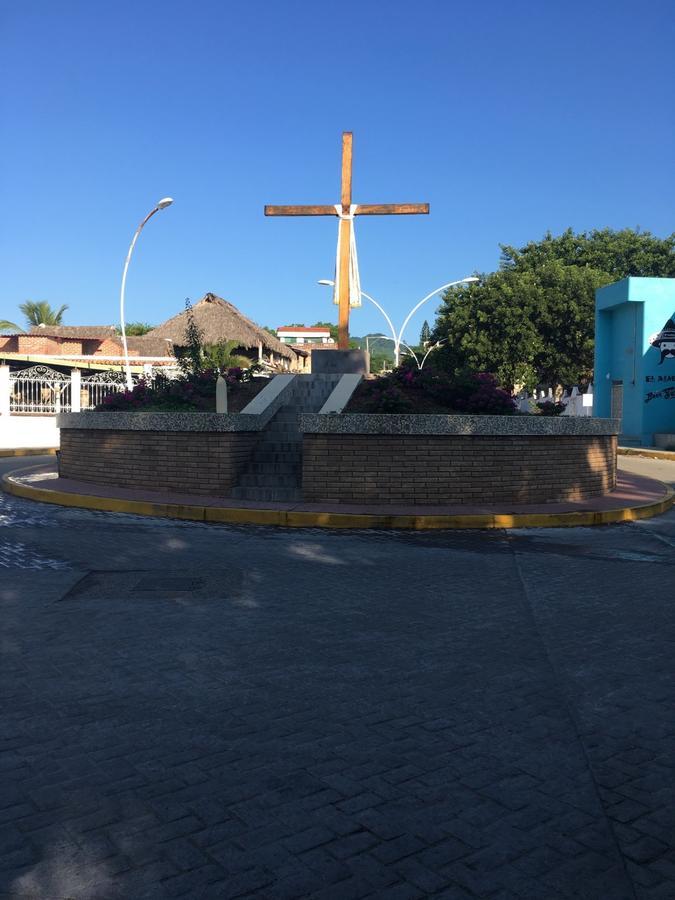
299,334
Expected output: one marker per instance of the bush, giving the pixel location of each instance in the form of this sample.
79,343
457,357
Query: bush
409,389
550,408
384,398
190,391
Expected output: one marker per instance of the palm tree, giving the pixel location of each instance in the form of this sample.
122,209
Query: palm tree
222,356
8,326
41,313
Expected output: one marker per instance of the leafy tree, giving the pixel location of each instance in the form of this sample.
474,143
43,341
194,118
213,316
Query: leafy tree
41,313
425,334
616,253
330,326
190,355
222,356
195,358
8,326
532,321
135,329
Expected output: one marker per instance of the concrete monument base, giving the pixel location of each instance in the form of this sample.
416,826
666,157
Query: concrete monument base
341,362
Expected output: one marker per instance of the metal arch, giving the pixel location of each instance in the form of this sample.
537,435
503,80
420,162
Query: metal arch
39,373
104,378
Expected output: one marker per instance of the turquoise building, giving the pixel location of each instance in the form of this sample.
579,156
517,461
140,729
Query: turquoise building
635,358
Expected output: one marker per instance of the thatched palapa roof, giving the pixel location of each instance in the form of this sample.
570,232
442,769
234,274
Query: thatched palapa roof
219,321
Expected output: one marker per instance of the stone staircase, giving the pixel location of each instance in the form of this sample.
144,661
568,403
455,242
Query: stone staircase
274,472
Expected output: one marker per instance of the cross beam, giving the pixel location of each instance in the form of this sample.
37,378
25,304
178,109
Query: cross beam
367,209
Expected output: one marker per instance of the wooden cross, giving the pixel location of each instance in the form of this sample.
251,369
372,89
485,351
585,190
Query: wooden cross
367,209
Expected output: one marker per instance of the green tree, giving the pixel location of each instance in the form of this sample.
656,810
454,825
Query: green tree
8,326
190,355
330,326
425,334
532,321
41,313
222,356
135,329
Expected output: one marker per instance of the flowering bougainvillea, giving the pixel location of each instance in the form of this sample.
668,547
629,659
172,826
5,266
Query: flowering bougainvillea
190,391
411,389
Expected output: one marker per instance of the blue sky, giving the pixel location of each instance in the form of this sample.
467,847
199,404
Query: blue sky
508,118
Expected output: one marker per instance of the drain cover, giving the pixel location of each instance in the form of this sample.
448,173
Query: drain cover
173,585
157,586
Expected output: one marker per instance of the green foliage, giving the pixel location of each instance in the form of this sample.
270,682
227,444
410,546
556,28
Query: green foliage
41,313
408,389
616,253
190,355
425,334
532,321
550,408
222,356
194,357
8,326
135,329
330,326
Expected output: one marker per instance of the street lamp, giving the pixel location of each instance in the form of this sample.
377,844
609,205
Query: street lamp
398,338
163,203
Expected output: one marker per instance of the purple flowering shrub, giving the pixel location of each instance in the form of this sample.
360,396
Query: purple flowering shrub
410,389
189,392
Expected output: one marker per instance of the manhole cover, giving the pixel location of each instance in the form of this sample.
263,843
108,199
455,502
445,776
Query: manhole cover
144,586
163,583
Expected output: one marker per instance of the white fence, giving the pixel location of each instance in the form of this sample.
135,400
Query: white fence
575,402
40,390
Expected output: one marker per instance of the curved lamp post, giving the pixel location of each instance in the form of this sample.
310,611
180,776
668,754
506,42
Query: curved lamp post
398,338
166,201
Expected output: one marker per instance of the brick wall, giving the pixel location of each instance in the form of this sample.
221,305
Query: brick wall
471,469
8,343
187,462
41,345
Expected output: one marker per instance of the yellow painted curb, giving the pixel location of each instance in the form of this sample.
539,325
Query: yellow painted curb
310,519
29,451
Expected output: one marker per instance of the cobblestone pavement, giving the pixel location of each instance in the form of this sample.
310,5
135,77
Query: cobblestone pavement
211,711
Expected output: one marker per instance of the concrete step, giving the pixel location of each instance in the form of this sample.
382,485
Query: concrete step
279,467
279,447
267,495
272,457
268,481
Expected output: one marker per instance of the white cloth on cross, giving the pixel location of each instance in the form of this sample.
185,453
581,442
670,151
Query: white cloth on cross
354,278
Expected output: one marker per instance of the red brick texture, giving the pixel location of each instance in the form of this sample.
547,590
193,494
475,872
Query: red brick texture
456,469
193,462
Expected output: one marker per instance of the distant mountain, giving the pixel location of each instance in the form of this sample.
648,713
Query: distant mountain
380,347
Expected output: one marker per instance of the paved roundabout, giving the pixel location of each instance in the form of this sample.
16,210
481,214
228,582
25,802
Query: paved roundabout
234,711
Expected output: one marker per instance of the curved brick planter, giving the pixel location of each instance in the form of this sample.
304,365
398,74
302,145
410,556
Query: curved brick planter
194,453
474,460
366,459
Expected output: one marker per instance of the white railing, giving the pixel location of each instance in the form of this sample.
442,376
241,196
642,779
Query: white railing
576,403
40,390
93,388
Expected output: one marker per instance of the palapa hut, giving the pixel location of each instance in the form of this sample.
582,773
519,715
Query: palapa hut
220,321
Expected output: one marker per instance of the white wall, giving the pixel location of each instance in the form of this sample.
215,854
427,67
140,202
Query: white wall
28,431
